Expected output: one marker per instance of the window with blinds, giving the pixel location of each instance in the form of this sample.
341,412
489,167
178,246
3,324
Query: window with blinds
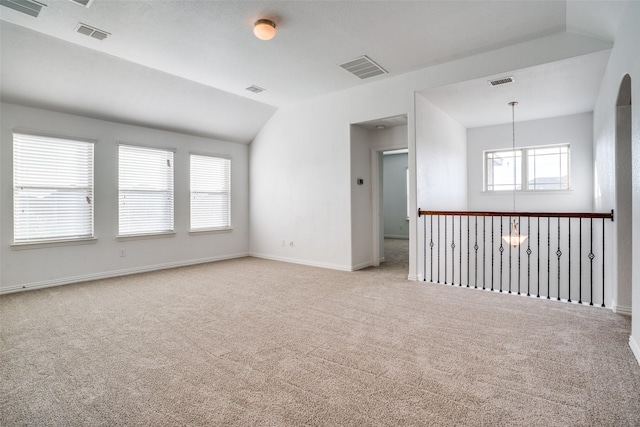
52,189
210,192
145,190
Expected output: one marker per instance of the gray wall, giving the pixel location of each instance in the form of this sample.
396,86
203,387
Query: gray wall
396,222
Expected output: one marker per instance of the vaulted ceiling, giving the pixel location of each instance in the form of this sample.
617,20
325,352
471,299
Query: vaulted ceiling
185,65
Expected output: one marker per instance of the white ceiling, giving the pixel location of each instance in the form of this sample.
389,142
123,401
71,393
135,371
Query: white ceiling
184,65
548,90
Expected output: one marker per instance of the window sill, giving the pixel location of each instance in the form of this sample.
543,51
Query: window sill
210,231
145,236
53,243
527,192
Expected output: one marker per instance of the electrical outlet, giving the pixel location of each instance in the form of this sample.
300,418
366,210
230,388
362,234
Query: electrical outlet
123,253
291,243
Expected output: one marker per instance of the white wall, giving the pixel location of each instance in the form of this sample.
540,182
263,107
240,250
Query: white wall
624,59
576,130
28,268
300,161
441,154
361,198
396,224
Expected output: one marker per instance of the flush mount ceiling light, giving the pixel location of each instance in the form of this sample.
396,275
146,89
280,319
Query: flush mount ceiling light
264,29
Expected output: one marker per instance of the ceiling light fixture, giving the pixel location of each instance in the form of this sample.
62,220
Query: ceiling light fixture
514,238
264,29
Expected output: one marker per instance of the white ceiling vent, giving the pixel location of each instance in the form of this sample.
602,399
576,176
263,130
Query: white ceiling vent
363,67
85,3
501,81
92,32
255,89
29,7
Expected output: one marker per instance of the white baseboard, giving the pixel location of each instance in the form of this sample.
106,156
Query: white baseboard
116,273
303,262
634,348
415,277
361,266
620,309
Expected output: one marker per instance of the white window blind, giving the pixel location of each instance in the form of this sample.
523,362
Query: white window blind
145,183
210,192
53,189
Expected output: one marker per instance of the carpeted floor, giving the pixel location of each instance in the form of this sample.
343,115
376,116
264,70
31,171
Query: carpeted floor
262,343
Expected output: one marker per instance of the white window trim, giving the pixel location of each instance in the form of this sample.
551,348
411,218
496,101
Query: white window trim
210,230
143,235
524,169
55,241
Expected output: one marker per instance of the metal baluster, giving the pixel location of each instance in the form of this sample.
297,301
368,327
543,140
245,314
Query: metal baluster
559,254
445,249
528,256
591,257
501,249
431,245
468,256
519,253
438,248
548,257
492,221
460,250
453,250
510,246
424,246
603,262
484,251
569,260
580,263
538,263
475,247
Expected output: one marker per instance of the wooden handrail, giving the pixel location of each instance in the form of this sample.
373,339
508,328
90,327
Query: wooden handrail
522,214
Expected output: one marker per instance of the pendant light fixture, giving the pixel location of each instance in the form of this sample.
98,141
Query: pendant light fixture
514,238
264,29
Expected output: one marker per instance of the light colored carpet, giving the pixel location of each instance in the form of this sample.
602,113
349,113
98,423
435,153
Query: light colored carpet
262,343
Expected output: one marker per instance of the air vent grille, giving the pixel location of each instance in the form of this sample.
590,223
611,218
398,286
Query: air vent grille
255,89
363,67
29,7
85,3
501,81
92,32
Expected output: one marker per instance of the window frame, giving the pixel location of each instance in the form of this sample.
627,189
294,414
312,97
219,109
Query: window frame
87,190
227,191
524,169
145,233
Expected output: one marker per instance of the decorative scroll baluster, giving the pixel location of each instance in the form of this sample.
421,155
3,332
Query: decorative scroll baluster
501,249
492,221
591,257
528,256
453,250
431,245
558,254
460,251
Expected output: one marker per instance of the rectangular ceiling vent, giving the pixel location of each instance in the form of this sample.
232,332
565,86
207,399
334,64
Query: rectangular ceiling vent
255,89
501,81
29,7
363,67
92,32
85,3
